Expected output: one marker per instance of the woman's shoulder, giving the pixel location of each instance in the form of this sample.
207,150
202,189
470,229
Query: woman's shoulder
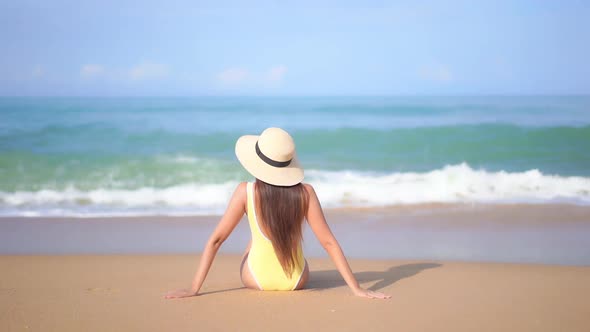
309,188
241,190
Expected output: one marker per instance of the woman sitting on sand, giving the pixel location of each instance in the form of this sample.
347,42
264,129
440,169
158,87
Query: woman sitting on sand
276,205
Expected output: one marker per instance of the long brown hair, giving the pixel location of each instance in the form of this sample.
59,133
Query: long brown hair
281,212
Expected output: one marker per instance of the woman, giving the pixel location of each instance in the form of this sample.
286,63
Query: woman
276,205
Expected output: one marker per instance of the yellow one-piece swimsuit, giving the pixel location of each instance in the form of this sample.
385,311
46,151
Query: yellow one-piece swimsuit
262,259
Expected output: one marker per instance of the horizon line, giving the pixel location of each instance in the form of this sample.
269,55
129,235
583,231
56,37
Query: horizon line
309,95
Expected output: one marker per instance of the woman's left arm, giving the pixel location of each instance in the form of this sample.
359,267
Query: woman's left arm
232,216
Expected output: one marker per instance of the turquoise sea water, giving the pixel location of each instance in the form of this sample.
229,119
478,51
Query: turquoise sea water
141,156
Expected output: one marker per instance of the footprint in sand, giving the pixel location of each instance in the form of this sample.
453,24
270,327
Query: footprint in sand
102,290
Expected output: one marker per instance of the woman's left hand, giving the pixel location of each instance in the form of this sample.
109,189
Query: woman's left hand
176,294
370,294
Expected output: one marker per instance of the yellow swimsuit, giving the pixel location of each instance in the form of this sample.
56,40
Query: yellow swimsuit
262,259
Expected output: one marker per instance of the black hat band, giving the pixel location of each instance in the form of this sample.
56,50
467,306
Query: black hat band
270,161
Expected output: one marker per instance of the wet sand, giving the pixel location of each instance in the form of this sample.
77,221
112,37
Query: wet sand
517,233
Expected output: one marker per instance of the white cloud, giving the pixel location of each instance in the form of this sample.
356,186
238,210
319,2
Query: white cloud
148,70
38,71
276,74
233,76
436,73
91,70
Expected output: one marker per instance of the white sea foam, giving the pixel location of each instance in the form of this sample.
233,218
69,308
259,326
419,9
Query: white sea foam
451,184
182,159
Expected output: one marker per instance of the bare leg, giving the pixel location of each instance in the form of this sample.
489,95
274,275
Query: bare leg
246,252
304,277
247,278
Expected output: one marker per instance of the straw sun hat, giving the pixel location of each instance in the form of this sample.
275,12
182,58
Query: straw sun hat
270,157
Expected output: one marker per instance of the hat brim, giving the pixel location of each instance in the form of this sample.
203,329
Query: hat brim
278,176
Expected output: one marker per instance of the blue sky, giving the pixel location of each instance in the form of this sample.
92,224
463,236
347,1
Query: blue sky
168,48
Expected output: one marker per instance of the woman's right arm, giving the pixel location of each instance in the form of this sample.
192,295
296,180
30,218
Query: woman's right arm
232,216
317,222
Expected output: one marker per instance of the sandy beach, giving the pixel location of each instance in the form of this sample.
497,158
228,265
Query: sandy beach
124,293
469,270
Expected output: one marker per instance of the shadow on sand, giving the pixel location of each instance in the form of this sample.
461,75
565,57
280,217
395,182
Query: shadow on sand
332,278
221,291
325,279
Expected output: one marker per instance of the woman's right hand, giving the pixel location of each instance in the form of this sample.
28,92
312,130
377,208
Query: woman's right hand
179,294
370,294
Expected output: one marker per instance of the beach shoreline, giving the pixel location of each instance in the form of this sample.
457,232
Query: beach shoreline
580,211
517,233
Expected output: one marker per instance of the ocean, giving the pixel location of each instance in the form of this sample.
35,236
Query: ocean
86,157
